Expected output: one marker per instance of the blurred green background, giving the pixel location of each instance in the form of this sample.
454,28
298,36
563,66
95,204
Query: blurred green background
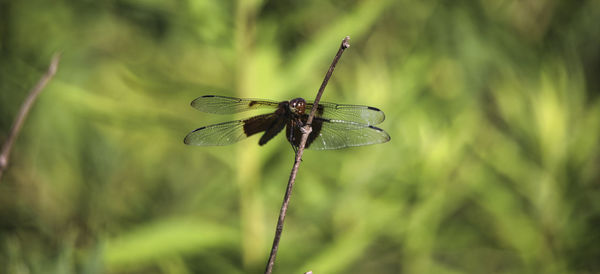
493,166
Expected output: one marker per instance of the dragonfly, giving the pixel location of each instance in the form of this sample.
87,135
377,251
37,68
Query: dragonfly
335,126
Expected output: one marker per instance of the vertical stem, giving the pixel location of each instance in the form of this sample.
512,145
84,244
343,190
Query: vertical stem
249,174
305,132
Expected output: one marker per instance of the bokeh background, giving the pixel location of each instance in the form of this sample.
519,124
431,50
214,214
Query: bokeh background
493,166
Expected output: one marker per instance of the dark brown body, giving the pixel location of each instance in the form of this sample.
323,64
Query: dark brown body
289,114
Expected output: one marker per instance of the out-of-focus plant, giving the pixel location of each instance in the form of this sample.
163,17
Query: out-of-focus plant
492,108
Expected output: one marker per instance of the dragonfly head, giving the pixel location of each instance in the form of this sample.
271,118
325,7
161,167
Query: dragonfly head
297,106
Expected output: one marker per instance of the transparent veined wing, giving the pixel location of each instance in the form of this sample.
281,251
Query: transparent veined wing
337,134
230,132
227,105
352,113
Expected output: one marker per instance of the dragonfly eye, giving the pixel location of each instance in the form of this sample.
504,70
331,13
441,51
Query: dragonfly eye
298,105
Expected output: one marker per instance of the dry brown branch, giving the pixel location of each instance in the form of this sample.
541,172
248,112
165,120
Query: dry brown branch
20,119
305,132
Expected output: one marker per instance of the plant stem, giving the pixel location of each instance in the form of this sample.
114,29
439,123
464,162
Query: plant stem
20,119
305,132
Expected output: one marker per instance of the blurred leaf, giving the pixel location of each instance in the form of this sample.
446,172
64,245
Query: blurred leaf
167,238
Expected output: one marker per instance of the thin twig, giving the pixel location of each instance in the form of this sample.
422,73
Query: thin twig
20,119
305,132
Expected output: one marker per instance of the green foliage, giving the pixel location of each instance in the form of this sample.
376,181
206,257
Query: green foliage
492,106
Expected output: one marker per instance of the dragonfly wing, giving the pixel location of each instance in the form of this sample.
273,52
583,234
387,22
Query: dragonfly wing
337,134
217,135
229,132
227,105
353,113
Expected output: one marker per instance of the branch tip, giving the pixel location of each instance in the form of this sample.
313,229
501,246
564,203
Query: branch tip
345,43
54,63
